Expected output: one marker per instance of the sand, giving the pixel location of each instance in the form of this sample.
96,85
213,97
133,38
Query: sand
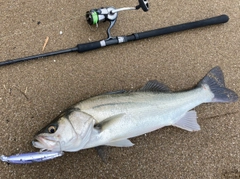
32,93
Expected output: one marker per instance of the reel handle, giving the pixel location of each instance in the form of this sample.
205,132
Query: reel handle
143,4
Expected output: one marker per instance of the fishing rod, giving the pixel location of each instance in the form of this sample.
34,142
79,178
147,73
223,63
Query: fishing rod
110,14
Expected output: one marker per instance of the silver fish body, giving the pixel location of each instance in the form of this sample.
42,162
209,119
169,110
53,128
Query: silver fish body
31,157
111,119
138,113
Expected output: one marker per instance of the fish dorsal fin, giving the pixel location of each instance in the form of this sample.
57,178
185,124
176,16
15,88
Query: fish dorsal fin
155,86
101,125
115,92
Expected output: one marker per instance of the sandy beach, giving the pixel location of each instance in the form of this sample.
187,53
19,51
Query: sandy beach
33,93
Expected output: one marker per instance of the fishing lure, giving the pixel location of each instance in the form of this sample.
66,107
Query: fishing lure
31,157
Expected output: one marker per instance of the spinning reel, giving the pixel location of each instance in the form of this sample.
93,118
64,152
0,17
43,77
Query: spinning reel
94,16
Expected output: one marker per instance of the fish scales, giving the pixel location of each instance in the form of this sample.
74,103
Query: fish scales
106,106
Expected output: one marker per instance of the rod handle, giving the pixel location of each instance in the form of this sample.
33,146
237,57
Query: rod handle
88,46
181,27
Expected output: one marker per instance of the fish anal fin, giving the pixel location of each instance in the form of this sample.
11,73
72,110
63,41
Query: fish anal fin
121,143
155,86
188,122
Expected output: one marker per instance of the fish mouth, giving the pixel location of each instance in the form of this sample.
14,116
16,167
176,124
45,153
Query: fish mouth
46,143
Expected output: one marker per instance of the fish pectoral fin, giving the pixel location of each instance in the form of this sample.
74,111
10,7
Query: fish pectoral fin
121,143
101,125
188,122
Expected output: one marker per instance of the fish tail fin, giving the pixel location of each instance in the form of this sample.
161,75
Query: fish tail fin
215,81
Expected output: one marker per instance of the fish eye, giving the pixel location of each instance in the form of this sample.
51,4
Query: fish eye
52,129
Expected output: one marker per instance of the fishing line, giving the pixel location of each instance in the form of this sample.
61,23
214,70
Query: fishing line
60,147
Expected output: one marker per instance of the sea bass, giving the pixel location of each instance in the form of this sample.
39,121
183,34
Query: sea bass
111,119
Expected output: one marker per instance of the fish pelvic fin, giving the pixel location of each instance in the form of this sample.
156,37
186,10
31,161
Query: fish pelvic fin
188,122
215,80
103,153
121,143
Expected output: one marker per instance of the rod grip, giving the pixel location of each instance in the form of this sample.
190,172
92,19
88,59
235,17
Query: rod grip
181,27
88,46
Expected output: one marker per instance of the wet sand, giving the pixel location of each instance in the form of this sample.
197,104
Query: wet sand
34,92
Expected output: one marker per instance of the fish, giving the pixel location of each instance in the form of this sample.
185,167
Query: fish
111,119
31,157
